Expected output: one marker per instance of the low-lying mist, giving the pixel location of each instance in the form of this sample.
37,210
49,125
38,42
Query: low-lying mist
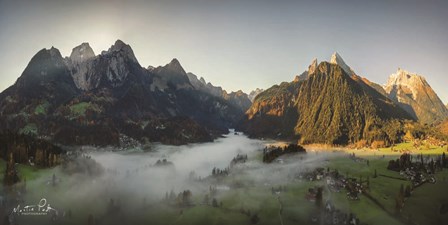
135,179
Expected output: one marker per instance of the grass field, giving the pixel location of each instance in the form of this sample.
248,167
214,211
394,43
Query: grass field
421,208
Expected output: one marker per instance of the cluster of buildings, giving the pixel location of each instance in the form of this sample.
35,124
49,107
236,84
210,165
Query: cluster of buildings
417,168
316,174
416,177
334,181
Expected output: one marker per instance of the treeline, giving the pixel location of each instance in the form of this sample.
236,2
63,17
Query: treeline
26,149
19,148
419,162
269,154
183,199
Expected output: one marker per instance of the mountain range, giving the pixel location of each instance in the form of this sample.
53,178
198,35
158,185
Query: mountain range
110,99
329,103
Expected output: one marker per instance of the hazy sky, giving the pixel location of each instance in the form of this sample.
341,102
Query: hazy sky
238,44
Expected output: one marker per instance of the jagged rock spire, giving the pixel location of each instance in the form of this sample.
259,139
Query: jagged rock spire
312,67
337,60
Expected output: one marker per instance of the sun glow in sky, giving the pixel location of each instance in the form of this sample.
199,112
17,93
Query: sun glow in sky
241,44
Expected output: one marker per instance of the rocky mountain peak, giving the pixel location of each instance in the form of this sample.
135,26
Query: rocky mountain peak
46,76
337,60
254,93
174,66
46,57
123,48
47,54
311,70
404,77
82,53
410,81
54,52
240,92
118,45
111,68
415,95
312,67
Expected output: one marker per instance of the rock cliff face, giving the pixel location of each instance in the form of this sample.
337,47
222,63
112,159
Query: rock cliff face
328,106
96,99
413,93
82,53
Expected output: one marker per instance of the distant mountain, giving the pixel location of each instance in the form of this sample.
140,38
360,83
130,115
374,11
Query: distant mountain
413,93
254,93
109,98
328,103
238,98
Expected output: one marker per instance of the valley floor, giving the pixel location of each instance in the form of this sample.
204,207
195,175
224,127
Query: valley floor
245,194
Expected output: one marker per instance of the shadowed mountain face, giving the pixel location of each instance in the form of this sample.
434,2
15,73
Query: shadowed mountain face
88,99
326,105
415,95
46,76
